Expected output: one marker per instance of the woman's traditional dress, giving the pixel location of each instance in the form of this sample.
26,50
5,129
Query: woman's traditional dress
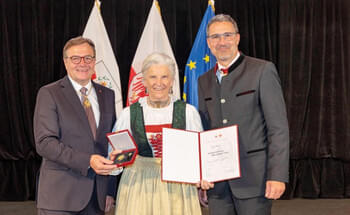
141,190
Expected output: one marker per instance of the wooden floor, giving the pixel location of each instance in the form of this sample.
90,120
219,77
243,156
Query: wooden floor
280,207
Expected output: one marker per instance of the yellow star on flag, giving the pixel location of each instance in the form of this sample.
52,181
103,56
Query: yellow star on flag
206,58
192,65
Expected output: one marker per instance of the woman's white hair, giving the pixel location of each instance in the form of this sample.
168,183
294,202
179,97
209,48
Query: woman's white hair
157,58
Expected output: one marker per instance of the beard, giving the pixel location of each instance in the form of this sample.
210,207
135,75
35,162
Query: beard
224,58
224,52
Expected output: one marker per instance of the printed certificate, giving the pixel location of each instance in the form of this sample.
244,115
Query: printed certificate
211,155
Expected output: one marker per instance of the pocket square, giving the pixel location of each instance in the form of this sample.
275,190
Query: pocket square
256,150
245,93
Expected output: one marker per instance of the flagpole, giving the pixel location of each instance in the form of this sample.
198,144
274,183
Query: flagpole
212,4
98,5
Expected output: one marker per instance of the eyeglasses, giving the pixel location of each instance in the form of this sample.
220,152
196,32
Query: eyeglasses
228,36
77,59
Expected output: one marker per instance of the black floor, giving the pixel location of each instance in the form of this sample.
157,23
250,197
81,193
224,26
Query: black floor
280,207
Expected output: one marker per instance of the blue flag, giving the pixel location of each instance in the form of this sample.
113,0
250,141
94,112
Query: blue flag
200,60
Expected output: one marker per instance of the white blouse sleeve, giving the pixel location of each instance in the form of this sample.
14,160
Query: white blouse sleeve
123,123
193,120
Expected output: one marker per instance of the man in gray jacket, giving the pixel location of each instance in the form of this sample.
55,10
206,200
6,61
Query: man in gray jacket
245,91
71,119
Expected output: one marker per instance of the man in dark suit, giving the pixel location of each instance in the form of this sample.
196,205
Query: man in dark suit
71,119
245,91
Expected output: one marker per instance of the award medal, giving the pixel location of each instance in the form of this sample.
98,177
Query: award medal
121,157
87,103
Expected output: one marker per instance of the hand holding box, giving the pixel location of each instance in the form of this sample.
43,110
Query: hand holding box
122,140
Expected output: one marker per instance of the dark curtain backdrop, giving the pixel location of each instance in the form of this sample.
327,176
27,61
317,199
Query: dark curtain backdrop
308,40
314,59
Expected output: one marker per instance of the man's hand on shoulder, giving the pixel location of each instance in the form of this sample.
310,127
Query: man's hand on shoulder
101,165
274,189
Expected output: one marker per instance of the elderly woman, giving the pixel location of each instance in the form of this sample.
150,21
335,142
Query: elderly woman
141,190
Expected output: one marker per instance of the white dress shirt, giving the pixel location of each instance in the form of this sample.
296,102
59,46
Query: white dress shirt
219,75
92,96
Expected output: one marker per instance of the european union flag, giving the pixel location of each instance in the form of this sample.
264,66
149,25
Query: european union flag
200,60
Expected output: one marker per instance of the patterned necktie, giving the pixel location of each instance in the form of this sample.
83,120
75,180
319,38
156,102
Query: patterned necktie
88,110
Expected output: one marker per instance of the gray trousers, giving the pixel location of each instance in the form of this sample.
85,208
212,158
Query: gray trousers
92,208
225,203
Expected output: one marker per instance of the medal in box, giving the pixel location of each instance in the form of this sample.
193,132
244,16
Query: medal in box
122,140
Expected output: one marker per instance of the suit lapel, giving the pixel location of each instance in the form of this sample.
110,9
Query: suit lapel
74,102
100,98
213,84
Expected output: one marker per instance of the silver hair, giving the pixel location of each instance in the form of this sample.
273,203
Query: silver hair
157,58
78,41
222,18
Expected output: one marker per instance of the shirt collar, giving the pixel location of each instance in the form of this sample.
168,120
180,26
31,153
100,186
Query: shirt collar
77,86
232,62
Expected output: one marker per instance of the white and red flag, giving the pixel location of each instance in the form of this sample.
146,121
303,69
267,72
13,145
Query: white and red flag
107,70
154,39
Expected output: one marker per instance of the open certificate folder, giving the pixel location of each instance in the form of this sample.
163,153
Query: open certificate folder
211,155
